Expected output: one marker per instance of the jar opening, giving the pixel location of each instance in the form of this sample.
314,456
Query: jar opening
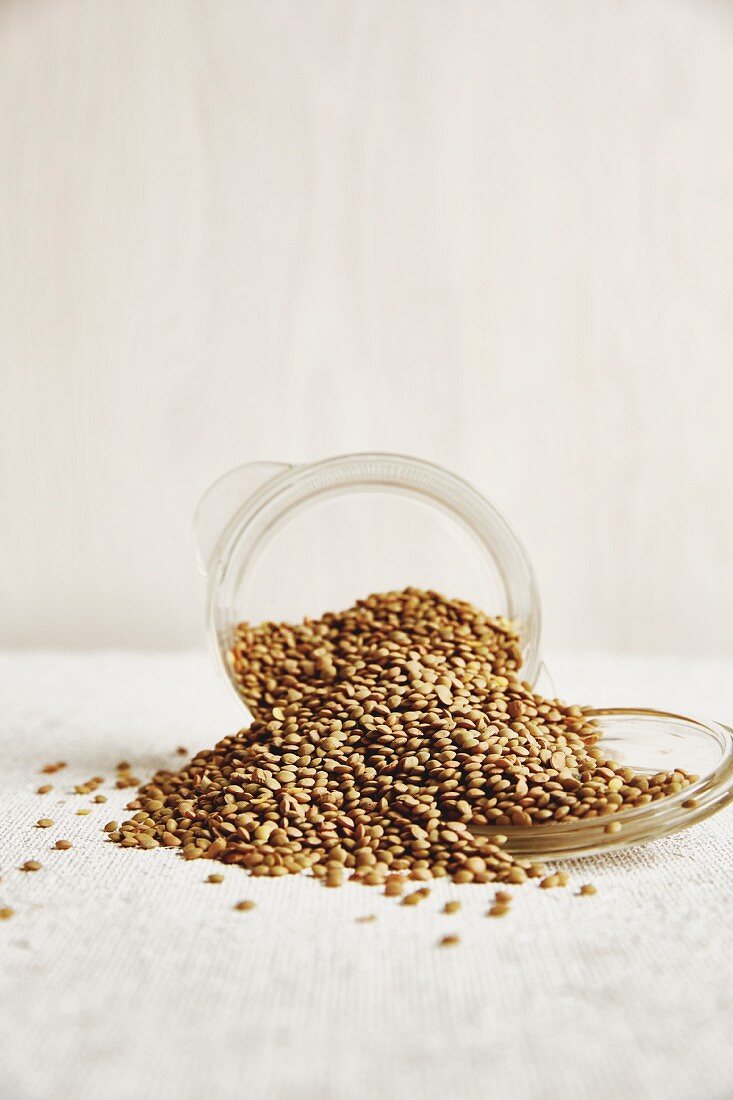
319,537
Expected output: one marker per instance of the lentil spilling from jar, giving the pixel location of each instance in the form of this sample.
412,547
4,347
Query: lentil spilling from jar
383,737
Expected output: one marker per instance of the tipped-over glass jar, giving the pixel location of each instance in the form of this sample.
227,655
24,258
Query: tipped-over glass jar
279,542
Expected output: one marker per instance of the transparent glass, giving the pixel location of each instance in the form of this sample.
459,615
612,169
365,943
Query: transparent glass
279,542
649,741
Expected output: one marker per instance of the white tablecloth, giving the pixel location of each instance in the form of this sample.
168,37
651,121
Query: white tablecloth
123,975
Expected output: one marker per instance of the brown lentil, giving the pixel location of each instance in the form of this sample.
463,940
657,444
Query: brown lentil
125,778
395,737
6,914
44,823
89,785
587,889
50,769
44,789
551,881
243,906
451,907
31,865
449,941
63,845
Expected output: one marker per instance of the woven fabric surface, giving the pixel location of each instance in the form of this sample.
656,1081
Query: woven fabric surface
123,975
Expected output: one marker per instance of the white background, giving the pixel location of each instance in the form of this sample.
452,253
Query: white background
497,235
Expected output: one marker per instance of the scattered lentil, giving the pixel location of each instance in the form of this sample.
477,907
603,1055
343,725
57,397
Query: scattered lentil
63,845
31,865
449,941
498,911
244,905
6,914
215,878
89,785
44,789
44,823
125,778
451,907
50,769
587,889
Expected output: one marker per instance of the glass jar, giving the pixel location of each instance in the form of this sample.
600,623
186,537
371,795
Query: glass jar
279,542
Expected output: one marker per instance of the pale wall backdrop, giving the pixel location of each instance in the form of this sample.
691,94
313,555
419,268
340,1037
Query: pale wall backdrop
498,235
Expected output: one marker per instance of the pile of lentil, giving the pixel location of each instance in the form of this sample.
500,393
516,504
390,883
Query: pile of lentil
383,736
